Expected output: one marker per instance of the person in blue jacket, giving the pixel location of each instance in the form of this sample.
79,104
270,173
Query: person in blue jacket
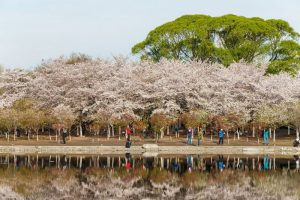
221,136
266,137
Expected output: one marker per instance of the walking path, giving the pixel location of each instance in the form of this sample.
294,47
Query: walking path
136,141
146,147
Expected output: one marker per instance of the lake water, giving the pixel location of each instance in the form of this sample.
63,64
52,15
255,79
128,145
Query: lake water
138,177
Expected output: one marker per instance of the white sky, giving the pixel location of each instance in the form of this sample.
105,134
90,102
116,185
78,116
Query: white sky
32,30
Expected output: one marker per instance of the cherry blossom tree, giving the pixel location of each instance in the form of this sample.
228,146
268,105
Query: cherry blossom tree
101,119
9,121
140,125
235,122
294,116
158,121
63,118
194,119
121,86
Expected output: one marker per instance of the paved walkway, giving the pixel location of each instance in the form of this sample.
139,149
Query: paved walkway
136,141
147,147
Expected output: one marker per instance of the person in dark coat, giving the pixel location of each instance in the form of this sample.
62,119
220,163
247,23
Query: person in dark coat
64,135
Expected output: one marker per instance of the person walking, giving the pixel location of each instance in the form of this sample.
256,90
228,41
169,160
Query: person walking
221,136
266,137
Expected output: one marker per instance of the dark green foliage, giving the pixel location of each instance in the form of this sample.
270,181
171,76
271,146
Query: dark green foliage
224,40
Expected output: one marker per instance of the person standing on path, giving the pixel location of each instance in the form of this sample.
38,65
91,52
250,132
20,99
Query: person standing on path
221,136
64,135
189,136
128,133
266,137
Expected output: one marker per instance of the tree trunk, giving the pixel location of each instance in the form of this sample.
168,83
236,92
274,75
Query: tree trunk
108,131
234,136
162,132
49,134
119,132
161,162
80,162
37,134
28,134
15,133
112,130
58,135
270,132
70,137
80,130
238,134
289,132
227,136
274,133
192,133
297,133
168,130
253,131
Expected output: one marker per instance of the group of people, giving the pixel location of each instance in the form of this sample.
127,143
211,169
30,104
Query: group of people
221,135
200,134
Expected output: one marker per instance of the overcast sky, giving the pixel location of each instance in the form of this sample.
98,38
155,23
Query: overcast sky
32,30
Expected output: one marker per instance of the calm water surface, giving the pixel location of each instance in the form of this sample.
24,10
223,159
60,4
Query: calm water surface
137,177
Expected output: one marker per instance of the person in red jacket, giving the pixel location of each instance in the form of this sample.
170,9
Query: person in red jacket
128,133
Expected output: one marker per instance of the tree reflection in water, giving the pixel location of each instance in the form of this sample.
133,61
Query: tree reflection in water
34,176
174,164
